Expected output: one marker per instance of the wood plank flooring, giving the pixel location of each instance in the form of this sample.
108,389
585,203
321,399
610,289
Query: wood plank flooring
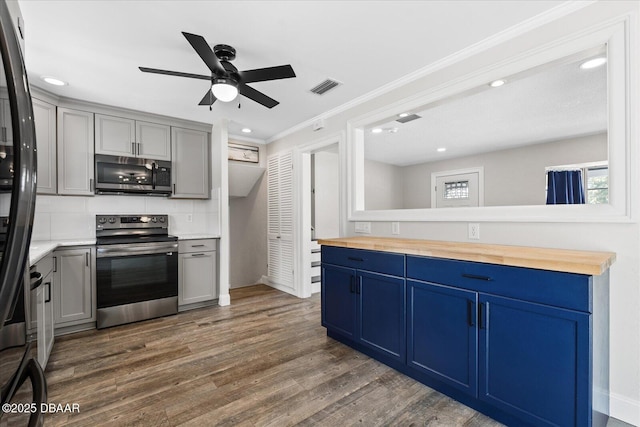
263,361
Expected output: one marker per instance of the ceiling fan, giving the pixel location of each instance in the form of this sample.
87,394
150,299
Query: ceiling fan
226,80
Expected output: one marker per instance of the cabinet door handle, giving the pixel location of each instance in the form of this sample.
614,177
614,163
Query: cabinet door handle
197,254
91,188
483,315
198,246
476,277
352,285
139,144
358,285
86,258
133,148
174,189
55,264
353,258
471,316
48,298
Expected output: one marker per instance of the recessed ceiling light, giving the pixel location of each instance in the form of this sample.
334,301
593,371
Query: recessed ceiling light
53,81
441,150
376,130
403,114
497,83
593,63
246,130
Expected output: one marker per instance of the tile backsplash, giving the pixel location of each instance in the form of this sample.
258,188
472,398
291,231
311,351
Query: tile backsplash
73,217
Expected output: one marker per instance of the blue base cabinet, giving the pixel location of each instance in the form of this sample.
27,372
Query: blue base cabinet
514,343
361,304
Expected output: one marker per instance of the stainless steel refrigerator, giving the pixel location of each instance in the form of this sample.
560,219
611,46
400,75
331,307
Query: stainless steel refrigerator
22,380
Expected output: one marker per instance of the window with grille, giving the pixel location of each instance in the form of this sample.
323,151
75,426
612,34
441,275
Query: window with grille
456,190
597,184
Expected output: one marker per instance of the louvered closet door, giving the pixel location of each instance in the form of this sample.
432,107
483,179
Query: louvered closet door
280,221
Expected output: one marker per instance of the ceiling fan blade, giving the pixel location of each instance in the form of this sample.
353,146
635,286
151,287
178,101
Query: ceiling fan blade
208,99
203,49
269,73
257,96
174,73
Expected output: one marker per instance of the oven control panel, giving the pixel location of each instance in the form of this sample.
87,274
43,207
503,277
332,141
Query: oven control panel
110,222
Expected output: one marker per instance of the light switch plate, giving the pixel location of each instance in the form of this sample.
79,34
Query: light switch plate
363,227
395,228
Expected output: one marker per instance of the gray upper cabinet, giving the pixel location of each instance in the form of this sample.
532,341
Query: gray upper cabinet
154,141
118,136
75,152
45,122
190,163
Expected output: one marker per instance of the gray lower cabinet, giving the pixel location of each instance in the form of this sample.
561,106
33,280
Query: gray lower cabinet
197,272
74,287
42,319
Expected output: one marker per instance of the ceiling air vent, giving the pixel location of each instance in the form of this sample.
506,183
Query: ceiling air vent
325,86
408,118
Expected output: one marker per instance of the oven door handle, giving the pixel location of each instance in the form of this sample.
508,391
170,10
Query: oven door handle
111,251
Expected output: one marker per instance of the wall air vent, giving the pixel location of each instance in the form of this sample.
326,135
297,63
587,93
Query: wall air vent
325,86
408,118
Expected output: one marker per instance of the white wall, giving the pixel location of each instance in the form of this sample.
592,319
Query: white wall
383,188
74,217
623,238
327,194
514,177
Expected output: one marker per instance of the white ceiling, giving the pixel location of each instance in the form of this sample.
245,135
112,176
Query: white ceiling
97,46
554,102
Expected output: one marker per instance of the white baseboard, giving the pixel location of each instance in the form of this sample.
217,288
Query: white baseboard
625,409
278,286
224,299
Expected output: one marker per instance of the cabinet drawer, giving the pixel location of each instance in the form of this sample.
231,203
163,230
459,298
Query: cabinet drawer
567,290
45,265
199,245
380,262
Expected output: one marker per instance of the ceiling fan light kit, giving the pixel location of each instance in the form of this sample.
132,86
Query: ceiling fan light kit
225,90
226,81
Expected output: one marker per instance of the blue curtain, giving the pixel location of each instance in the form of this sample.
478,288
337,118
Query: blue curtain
565,188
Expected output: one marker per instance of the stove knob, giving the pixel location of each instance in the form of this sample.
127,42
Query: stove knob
161,219
154,219
102,220
112,220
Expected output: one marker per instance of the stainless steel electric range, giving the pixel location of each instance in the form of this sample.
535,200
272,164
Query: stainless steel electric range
137,268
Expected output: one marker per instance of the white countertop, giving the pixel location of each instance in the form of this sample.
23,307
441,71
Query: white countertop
41,248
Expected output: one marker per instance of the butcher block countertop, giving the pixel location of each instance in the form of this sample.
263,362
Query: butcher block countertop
564,260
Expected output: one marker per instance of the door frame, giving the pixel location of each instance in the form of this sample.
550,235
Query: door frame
478,169
302,205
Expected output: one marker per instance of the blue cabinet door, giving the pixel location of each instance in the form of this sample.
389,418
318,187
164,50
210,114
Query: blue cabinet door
338,299
442,334
381,313
534,361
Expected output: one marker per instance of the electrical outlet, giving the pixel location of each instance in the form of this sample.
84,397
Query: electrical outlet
363,227
395,228
474,231
189,217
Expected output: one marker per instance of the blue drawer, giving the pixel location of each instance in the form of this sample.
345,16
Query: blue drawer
379,262
566,290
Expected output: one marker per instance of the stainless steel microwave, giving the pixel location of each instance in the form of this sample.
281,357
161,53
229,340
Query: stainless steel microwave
132,175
